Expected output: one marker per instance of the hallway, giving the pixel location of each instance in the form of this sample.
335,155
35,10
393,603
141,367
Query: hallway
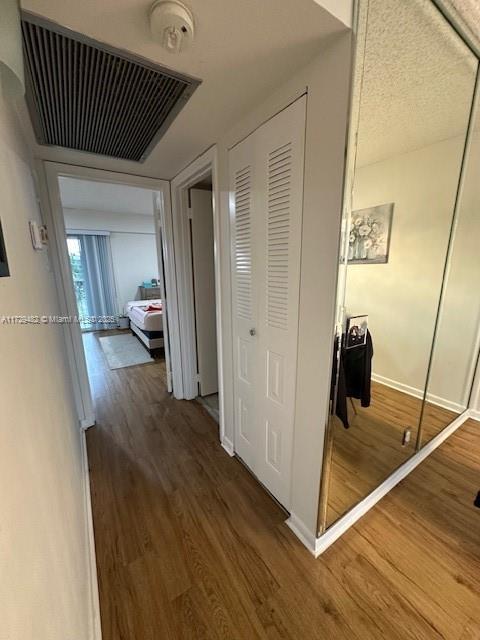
190,546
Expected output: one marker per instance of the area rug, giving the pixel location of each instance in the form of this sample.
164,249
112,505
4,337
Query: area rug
124,351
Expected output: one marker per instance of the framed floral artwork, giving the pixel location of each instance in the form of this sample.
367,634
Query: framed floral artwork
370,231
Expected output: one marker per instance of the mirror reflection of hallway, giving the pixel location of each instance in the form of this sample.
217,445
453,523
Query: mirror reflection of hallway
413,120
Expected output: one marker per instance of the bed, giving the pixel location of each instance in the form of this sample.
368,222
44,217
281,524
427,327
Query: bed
146,324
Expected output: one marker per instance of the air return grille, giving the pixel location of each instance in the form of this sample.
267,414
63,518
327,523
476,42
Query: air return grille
89,97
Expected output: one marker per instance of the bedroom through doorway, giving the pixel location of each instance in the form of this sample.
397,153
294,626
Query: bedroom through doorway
116,262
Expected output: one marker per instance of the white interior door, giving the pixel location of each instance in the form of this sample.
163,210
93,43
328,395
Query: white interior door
266,182
245,305
160,242
204,289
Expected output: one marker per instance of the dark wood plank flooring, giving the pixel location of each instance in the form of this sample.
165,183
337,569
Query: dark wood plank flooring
190,546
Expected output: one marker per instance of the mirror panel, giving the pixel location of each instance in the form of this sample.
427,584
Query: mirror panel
416,94
456,344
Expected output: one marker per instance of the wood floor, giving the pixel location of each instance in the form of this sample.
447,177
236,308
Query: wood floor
371,449
190,546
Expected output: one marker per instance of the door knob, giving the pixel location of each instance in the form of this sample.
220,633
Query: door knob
252,332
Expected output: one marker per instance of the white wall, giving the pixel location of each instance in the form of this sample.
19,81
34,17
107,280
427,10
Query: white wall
44,585
134,258
132,240
326,79
402,296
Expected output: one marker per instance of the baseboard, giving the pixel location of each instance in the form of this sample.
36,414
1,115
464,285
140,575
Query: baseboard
474,414
418,393
95,626
303,533
86,423
227,444
345,522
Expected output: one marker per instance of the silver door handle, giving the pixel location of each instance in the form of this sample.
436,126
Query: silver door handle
252,332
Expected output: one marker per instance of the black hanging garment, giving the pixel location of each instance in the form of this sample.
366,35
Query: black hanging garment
354,377
341,405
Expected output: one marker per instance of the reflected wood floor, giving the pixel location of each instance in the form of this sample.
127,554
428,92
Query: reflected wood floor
371,449
190,546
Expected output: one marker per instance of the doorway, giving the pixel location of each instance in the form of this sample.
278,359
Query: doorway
196,233
133,253
117,271
204,297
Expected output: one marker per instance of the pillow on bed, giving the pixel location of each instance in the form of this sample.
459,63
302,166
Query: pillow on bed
153,307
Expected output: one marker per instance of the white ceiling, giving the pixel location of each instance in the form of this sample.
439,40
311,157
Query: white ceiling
418,80
466,13
242,51
102,196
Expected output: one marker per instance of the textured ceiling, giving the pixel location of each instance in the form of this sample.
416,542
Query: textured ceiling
242,51
102,196
466,13
418,80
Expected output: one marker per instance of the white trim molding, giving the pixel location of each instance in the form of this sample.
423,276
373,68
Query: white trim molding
52,215
475,414
87,422
303,533
418,393
87,232
95,624
227,444
351,517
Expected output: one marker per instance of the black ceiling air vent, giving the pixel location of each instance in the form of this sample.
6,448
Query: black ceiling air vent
86,96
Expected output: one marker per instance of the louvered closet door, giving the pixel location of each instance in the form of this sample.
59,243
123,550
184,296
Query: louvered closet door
280,155
274,154
245,299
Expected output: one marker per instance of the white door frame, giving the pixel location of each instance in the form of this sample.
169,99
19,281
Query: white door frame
53,217
162,251
200,168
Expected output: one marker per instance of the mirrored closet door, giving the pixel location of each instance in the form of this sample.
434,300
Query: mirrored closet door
415,85
456,344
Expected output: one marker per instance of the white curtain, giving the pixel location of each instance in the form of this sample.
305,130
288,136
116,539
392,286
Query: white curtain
100,283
